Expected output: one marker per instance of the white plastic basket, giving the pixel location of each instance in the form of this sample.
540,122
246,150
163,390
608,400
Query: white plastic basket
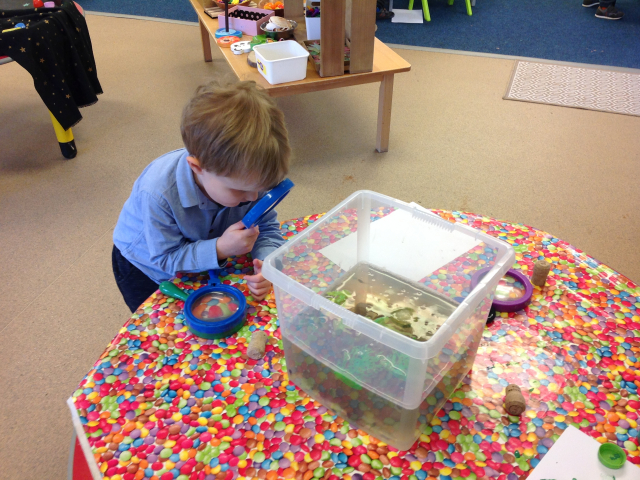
313,28
282,62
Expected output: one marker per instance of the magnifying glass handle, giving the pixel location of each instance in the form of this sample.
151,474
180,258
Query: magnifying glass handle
214,277
169,288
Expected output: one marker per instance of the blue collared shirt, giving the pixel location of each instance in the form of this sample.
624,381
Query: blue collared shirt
168,225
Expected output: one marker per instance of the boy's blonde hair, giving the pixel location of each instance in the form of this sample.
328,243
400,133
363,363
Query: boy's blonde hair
237,131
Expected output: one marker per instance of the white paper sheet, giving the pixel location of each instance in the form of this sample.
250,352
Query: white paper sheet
407,16
574,456
403,245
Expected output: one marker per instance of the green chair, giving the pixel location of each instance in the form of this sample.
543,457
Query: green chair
425,8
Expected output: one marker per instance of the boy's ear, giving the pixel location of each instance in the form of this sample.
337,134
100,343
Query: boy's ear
194,163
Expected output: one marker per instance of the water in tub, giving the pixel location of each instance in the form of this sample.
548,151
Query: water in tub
398,305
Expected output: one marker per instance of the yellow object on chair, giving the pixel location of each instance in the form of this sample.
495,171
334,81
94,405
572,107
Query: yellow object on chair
425,8
65,139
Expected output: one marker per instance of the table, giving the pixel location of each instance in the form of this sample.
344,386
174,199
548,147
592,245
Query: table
386,63
160,401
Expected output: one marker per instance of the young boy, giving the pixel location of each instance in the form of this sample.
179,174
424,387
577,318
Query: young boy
184,213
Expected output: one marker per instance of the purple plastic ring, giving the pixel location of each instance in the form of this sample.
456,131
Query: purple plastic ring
507,305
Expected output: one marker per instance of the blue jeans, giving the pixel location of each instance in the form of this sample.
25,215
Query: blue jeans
134,285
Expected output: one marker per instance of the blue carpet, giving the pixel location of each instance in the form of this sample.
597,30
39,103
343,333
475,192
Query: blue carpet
172,9
550,29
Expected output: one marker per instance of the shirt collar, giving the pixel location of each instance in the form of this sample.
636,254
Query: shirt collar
188,190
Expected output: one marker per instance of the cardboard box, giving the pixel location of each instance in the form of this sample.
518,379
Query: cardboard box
249,27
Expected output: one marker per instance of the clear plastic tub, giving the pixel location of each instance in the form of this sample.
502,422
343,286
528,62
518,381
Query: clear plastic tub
383,249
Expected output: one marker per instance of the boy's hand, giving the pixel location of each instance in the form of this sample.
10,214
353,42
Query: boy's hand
236,240
258,285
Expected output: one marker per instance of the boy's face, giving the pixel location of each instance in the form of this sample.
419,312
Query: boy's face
226,191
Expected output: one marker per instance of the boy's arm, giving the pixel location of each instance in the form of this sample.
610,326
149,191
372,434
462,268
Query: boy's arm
270,237
169,250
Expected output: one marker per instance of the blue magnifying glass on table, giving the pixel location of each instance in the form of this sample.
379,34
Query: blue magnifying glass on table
214,311
267,203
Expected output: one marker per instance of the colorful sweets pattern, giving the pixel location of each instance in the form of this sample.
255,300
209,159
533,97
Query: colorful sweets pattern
163,404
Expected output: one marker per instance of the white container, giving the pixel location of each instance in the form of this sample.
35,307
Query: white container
282,62
313,28
383,382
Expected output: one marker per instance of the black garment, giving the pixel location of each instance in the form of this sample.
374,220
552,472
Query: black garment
605,3
55,49
134,285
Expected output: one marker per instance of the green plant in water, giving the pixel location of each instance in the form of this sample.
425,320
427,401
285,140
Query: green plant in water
338,297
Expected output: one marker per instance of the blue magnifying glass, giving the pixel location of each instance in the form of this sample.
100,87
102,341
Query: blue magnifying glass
267,203
214,311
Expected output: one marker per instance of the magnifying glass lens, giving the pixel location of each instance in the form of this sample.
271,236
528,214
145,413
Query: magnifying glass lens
509,289
214,307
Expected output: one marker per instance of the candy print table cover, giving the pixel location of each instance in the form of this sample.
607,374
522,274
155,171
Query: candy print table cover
162,404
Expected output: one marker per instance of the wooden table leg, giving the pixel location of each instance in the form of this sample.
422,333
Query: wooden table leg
206,42
384,113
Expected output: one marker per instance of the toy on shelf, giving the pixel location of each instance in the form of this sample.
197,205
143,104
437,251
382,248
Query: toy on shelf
313,46
214,10
267,5
226,42
313,11
312,20
235,3
279,28
277,7
281,62
246,19
259,40
239,48
246,15
251,59
279,24
226,31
